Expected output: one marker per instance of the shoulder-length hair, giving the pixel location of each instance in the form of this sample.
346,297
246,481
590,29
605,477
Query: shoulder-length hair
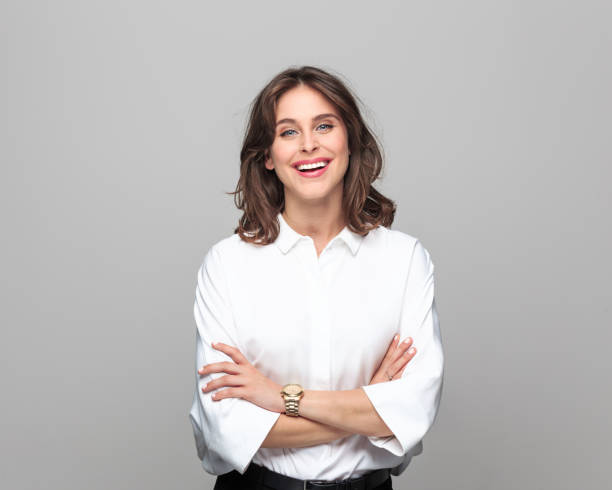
259,192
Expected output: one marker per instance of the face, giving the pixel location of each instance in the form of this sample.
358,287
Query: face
308,128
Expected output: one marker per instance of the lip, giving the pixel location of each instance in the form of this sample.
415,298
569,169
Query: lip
314,173
314,160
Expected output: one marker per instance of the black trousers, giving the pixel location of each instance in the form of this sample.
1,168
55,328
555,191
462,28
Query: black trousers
235,481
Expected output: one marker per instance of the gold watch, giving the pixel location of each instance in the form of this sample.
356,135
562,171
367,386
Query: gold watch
292,394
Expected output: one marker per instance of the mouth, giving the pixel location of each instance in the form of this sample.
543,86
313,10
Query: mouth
312,168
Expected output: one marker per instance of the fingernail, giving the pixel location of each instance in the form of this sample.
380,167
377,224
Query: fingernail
412,350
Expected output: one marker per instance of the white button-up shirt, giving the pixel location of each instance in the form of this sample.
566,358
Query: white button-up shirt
324,322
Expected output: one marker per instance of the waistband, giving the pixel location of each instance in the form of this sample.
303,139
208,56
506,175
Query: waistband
269,478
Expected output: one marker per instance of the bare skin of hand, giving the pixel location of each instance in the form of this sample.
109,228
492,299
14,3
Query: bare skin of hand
248,383
395,360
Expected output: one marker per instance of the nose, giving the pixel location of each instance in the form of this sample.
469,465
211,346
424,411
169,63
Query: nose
309,143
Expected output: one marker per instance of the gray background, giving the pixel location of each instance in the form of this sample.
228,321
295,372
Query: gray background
121,124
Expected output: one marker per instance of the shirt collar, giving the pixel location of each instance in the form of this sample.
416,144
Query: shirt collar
288,237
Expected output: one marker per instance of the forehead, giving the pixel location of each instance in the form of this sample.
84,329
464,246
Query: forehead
303,102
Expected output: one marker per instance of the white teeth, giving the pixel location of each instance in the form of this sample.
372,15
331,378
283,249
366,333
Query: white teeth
312,165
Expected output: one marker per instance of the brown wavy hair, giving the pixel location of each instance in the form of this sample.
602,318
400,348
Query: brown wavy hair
259,192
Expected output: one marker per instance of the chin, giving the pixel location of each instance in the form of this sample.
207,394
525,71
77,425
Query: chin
317,195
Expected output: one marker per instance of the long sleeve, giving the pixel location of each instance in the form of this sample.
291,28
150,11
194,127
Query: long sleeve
409,405
230,431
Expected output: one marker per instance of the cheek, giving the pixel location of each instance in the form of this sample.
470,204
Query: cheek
341,150
340,143
283,153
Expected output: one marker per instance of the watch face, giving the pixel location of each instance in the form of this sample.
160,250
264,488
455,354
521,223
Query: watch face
292,389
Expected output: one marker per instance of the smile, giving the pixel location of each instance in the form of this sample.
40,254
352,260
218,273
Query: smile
312,170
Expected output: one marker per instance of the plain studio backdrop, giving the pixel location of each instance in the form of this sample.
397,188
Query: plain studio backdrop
121,125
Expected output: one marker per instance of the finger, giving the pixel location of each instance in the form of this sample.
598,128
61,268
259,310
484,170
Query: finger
400,373
227,393
391,349
219,367
231,351
393,354
229,380
401,349
402,362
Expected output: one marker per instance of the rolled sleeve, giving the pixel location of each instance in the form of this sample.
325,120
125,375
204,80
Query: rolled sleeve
409,405
227,432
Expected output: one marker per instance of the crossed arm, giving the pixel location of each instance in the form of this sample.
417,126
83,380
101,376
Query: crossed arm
326,416
329,415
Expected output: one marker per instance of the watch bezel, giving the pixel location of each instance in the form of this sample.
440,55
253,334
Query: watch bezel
292,389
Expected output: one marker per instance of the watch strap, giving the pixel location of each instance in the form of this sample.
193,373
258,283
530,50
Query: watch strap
292,405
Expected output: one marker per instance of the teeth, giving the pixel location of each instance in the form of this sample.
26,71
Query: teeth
312,165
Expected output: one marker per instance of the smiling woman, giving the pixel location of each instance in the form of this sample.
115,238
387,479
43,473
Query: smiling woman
309,132
305,115
301,375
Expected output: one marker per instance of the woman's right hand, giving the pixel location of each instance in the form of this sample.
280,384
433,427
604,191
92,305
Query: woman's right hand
395,360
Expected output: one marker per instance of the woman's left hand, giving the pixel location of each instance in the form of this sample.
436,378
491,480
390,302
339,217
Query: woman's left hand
246,382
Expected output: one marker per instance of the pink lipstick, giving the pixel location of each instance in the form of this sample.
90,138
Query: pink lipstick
315,172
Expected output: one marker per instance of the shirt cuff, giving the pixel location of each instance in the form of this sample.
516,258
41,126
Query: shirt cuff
390,443
233,431
409,419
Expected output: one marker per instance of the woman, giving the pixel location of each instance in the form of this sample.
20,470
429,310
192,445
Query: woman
301,377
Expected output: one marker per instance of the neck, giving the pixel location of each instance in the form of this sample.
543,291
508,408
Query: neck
320,222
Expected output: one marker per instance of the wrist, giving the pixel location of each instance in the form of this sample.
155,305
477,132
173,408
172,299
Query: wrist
291,394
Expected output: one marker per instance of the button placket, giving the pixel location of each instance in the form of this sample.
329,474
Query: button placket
319,331
325,263
323,339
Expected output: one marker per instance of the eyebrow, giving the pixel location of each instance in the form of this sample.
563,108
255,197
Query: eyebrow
316,118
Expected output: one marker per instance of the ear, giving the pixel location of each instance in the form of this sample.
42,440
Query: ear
268,161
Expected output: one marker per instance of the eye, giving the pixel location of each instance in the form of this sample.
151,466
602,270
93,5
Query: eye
329,126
